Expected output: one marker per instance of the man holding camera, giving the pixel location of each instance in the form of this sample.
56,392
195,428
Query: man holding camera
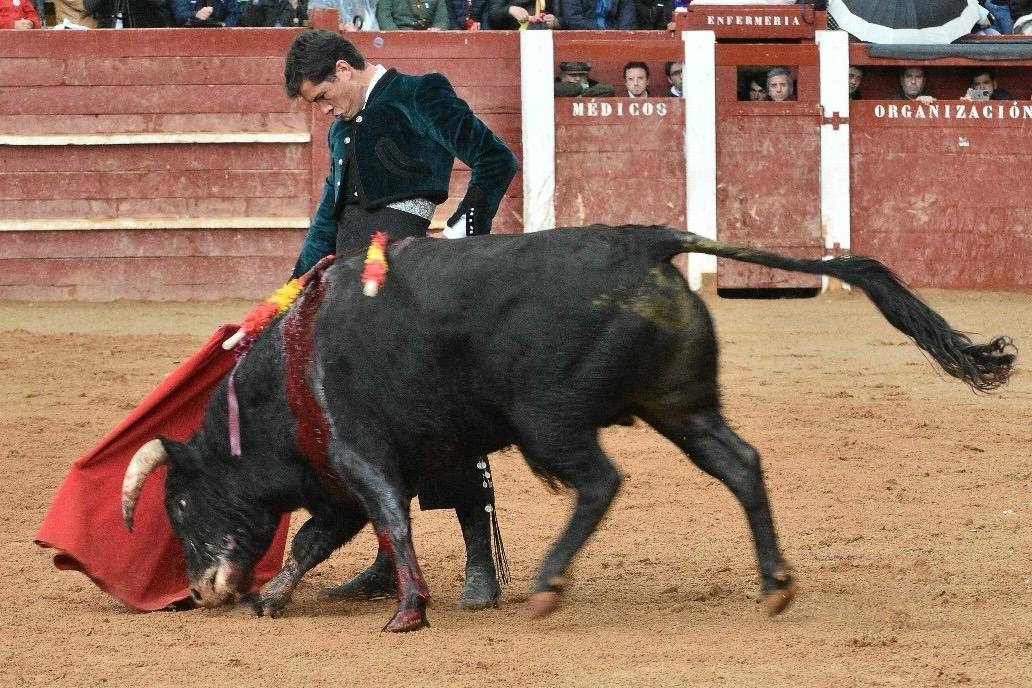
983,87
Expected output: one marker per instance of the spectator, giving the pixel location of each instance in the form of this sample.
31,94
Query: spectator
1001,12
18,14
412,15
205,12
467,15
289,13
636,79
912,86
856,77
983,87
673,72
1021,13
521,14
41,12
779,85
573,80
129,14
603,14
74,11
754,87
654,14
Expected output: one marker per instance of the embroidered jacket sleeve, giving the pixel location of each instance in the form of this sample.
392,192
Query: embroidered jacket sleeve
321,239
447,119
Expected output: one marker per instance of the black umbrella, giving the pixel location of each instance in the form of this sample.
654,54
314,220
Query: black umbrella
906,21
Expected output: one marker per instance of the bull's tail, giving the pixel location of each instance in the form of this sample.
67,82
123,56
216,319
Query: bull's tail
982,366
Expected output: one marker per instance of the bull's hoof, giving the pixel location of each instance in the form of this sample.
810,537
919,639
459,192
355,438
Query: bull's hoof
406,620
542,604
481,590
271,606
778,599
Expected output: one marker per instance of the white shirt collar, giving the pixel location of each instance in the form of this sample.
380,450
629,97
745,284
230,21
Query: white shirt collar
378,72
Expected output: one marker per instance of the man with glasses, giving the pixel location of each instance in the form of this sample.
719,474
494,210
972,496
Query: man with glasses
673,74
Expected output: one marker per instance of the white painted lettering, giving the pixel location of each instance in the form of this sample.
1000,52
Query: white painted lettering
661,109
578,109
906,110
879,111
1014,111
634,108
795,21
592,109
748,21
933,111
1027,111
893,111
709,21
777,21
647,108
973,113
606,109
987,111
619,109
919,113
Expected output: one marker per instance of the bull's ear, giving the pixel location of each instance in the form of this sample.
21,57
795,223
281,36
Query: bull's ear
181,457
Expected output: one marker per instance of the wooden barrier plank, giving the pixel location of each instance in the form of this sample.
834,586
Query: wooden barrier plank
296,121
149,42
278,243
464,73
917,177
202,70
150,207
186,183
162,278
78,100
150,158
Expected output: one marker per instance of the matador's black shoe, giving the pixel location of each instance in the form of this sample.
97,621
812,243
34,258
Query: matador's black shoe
375,583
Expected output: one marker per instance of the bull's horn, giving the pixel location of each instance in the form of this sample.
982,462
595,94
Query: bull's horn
146,459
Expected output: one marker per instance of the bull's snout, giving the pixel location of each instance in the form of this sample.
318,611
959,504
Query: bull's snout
217,586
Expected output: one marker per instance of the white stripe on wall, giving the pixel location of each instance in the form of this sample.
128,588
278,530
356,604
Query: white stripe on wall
700,146
834,70
143,138
538,118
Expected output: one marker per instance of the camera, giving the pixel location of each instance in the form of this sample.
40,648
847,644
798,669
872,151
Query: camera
979,94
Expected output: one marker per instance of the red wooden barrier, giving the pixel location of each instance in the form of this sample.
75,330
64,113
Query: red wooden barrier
191,202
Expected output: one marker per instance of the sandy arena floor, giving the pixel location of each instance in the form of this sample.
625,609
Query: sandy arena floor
902,499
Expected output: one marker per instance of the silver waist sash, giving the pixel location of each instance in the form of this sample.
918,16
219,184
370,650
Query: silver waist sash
415,206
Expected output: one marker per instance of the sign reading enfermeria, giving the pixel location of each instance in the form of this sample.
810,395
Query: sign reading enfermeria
593,108
1000,110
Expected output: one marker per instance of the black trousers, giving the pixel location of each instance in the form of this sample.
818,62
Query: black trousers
462,487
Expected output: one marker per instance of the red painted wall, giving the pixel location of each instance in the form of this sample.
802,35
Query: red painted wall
180,80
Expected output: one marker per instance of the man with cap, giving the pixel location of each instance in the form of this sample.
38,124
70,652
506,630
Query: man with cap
573,80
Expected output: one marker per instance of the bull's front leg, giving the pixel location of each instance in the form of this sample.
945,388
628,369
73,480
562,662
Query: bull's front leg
374,478
314,542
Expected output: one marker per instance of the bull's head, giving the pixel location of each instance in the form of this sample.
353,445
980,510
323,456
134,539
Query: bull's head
215,512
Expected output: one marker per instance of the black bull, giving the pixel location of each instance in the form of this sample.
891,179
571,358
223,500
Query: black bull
534,340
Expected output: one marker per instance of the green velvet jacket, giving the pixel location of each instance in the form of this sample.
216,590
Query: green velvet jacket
403,145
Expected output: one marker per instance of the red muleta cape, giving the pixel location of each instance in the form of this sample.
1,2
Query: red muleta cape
144,569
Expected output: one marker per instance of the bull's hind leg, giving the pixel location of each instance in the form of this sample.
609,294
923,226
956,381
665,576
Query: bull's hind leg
314,542
585,467
374,480
715,448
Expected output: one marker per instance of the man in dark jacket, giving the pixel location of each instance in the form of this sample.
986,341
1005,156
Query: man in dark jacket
573,80
654,14
467,15
597,14
206,12
134,14
515,14
392,148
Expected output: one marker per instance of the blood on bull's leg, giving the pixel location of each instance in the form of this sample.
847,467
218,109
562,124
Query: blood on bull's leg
319,537
715,448
372,478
